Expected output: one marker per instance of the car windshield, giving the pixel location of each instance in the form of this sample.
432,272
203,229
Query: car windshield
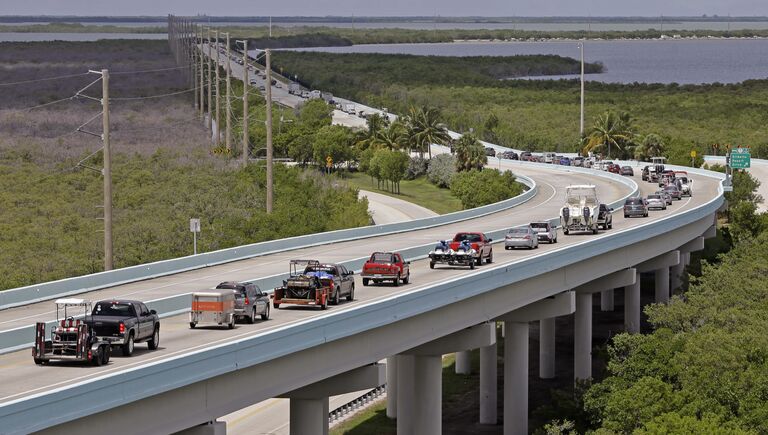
468,237
113,309
381,257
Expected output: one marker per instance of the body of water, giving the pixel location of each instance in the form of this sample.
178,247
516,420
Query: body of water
37,37
427,25
645,61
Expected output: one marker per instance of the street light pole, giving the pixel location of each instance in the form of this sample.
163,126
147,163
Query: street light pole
581,123
228,133
245,102
269,129
107,171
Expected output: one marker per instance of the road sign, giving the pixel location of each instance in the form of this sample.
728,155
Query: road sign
740,158
328,161
693,154
194,225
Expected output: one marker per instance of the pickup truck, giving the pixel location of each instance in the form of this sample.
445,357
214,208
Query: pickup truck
479,242
124,323
386,266
342,279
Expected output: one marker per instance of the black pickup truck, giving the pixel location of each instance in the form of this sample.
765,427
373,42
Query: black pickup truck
124,323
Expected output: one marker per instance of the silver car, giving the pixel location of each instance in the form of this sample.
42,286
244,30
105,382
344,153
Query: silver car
524,237
656,201
665,196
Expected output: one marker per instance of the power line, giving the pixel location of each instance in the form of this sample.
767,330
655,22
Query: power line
148,70
153,96
43,80
26,109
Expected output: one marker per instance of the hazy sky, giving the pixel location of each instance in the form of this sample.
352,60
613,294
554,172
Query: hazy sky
387,7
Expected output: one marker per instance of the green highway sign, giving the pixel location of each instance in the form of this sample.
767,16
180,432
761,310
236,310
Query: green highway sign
740,158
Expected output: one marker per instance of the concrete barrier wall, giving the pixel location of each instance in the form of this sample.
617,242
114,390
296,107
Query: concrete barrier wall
24,415
69,286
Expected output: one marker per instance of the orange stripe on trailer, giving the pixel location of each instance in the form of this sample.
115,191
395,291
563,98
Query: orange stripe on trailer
217,306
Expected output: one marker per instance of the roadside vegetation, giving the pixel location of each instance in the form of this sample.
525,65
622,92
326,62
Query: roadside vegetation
165,169
543,115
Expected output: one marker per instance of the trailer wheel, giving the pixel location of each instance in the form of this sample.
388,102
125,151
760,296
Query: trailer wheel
155,340
472,264
192,325
324,306
39,361
479,259
128,346
365,282
431,264
98,357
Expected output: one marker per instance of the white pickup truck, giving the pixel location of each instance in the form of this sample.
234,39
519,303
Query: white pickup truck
581,209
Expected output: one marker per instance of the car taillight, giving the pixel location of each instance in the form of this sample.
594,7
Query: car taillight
247,301
122,327
528,237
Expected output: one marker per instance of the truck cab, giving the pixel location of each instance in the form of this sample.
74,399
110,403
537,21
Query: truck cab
124,323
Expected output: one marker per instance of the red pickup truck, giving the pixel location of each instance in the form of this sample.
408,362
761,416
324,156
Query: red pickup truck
479,242
386,266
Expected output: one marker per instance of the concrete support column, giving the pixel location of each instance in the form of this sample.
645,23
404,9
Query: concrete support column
676,273
392,387
686,258
309,416
632,307
516,379
606,300
406,394
463,363
547,348
428,386
661,286
488,387
582,337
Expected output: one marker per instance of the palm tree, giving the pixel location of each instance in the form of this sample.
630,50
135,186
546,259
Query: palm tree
376,124
393,137
425,128
610,129
654,145
470,153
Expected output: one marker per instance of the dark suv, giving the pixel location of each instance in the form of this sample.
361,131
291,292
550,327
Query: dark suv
605,217
250,301
635,207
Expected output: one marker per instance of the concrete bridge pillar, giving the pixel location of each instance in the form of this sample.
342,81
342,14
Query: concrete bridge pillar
488,387
547,348
516,379
463,362
419,377
516,356
632,307
661,285
582,337
676,273
606,300
309,404
392,387
309,416
582,334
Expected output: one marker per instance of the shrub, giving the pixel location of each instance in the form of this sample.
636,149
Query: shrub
440,170
476,188
417,166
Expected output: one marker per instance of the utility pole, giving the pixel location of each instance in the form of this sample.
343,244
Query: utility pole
107,170
193,53
581,124
269,129
218,93
201,68
228,133
245,102
209,120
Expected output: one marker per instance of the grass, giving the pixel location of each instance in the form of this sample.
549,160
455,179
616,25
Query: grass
373,420
419,191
